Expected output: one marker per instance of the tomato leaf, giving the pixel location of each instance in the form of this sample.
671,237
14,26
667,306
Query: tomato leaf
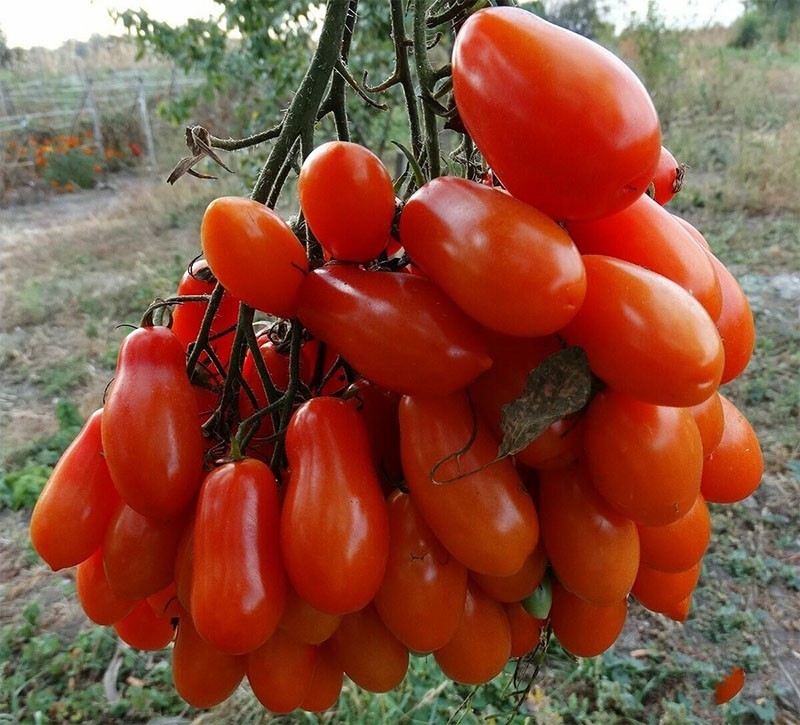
561,384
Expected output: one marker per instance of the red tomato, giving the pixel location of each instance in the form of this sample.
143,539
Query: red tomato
99,603
238,583
660,591
347,198
482,643
679,612
523,86
165,603
526,630
184,564
143,629
486,518
646,336
504,263
203,675
516,587
254,254
668,178
334,527
592,548
733,470
645,460
152,439
731,686
366,317
679,545
422,594
72,513
694,232
710,420
306,623
326,684
648,235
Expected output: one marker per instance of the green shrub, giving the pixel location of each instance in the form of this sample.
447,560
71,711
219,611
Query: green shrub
74,167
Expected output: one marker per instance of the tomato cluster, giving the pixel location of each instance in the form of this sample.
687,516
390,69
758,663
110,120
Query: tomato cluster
365,503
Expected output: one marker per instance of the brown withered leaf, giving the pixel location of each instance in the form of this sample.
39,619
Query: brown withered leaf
198,139
561,384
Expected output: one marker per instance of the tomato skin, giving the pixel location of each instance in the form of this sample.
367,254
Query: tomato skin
648,235
660,591
668,178
679,545
365,317
729,687
203,675
710,420
486,519
422,594
646,336
143,629
334,526
525,629
506,62
347,198
238,582
592,548
733,470
516,587
97,600
73,510
645,460
482,643
326,684
306,623
504,263
254,254
151,434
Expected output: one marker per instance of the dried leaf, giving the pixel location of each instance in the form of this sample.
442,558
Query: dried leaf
561,384
198,139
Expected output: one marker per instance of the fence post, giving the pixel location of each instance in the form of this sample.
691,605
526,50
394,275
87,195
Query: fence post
148,132
97,130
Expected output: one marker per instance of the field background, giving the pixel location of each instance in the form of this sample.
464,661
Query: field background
74,266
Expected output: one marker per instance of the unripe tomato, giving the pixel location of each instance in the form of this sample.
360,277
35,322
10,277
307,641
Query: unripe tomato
238,582
254,254
99,603
679,545
143,629
347,198
151,434
523,86
504,263
306,623
660,591
334,527
73,510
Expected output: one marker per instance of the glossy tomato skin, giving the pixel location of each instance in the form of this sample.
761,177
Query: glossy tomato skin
504,263
513,74
710,420
347,198
660,591
422,594
238,582
516,587
668,177
72,513
151,433
679,545
97,600
334,526
143,629
306,623
254,254
486,518
646,336
364,315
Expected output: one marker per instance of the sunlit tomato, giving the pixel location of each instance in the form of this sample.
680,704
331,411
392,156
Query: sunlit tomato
592,548
668,178
525,629
139,553
326,684
306,623
679,545
733,470
347,198
143,629
422,594
648,235
238,583
203,675
516,587
367,317
254,254
99,603
482,643
729,687
584,629
334,527
710,420
504,263
368,652
280,672
646,336
485,518
72,513
660,591
522,87
151,434
645,460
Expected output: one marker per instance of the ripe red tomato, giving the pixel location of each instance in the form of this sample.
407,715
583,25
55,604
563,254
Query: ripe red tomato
645,460
659,591
99,603
184,564
422,593
306,623
668,177
486,519
72,513
347,198
366,317
151,434
526,630
730,686
254,254
326,684
238,582
679,545
516,587
646,336
504,263
522,87
165,603
143,629
334,527
710,420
